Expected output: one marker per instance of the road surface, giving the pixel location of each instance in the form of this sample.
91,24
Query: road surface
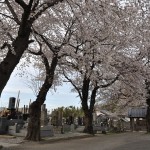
121,141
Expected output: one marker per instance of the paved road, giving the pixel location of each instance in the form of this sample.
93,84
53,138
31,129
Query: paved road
124,141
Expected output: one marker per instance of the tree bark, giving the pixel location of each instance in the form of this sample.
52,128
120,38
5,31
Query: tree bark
88,120
33,131
13,57
16,50
34,125
148,119
148,107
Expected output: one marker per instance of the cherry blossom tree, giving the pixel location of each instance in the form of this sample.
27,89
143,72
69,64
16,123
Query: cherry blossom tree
105,44
98,42
15,47
141,31
51,41
134,89
111,38
35,108
88,65
17,18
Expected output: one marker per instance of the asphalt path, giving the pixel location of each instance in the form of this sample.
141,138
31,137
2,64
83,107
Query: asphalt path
121,141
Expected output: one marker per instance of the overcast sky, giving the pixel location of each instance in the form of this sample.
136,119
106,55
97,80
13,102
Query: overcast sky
62,97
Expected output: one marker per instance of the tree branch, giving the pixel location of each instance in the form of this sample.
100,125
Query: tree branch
35,5
77,89
68,33
5,29
11,9
46,64
21,3
35,53
44,7
45,40
6,45
30,4
7,16
108,84
40,45
93,96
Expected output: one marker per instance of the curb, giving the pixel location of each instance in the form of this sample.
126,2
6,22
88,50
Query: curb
7,136
57,139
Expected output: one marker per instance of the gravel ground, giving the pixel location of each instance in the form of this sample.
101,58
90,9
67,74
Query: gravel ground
11,140
7,141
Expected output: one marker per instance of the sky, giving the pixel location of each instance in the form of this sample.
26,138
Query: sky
62,97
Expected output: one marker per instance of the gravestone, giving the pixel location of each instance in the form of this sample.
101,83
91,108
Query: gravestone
44,118
12,101
3,125
60,117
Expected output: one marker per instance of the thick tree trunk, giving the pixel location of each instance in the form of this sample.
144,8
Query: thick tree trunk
33,131
148,119
12,59
88,120
148,103
19,45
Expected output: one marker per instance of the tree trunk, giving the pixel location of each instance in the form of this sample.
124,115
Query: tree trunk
12,59
148,103
148,119
16,50
20,44
88,120
33,131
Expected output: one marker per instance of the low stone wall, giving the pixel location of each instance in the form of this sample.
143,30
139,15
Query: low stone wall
16,130
47,131
64,129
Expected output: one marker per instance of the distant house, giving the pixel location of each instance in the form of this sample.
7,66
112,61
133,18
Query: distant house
112,121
